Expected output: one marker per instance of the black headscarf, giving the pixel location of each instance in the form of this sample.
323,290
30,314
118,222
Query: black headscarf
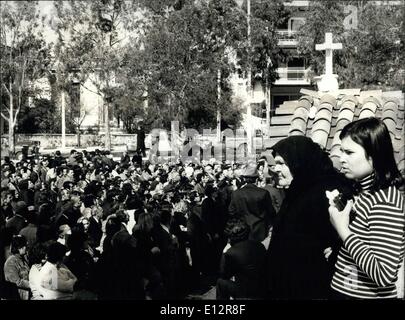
305,159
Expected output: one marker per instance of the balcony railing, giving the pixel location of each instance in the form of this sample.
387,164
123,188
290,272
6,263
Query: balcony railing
297,73
287,36
296,76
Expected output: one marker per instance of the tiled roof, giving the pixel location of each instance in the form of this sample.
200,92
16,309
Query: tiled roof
323,116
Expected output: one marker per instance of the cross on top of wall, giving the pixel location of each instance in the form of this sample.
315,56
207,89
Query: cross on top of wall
328,46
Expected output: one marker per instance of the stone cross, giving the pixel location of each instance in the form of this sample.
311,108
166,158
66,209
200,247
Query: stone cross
328,46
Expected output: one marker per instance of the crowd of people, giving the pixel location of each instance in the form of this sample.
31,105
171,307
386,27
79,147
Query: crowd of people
88,227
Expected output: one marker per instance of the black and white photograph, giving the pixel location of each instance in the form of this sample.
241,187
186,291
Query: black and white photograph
203,155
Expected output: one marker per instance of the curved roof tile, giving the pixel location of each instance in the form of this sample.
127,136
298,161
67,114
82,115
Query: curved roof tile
336,161
349,102
300,116
328,99
344,117
325,114
298,124
369,108
335,112
391,125
389,114
300,113
305,102
320,131
390,105
400,158
296,132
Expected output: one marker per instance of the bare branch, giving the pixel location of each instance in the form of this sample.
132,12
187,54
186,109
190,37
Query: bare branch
96,92
4,117
5,87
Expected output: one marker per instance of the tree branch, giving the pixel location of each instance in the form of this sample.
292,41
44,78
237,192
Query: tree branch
5,87
98,93
4,117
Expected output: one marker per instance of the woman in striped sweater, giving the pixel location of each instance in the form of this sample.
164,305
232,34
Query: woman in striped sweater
373,241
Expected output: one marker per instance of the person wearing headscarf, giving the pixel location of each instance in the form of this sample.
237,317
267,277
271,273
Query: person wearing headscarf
297,267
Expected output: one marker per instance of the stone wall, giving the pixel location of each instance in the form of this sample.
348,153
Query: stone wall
52,141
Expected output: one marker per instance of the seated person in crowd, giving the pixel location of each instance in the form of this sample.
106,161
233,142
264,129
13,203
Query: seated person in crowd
242,265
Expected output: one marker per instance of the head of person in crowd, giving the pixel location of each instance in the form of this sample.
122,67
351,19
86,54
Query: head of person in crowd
367,148
122,216
37,254
250,174
144,224
46,232
77,241
6,198
210,191
64,232
21,209
18,245
56,253
89,200
83,224
300,160
237,231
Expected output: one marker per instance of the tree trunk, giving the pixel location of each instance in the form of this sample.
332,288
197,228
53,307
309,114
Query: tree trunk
107,127
78,136
218,108
11,137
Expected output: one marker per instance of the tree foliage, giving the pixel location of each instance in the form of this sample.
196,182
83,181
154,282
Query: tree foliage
371,52
42,117
188,42
25,58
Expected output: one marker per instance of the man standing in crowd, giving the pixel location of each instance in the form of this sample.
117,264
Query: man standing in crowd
140,139
253,205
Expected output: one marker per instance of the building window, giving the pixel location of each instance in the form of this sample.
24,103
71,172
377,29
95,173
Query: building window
294,24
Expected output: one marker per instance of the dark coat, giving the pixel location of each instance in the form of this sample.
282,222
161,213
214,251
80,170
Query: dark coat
245,261
140,139
126,267
253,204
297,267
95,232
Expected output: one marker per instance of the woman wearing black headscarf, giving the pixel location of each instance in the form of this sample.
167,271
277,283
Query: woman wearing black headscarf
297,267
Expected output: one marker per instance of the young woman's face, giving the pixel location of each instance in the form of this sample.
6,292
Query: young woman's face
283,171
355,164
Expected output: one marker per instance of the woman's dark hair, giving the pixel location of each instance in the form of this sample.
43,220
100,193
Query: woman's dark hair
144,223
17,242
373,135
56,252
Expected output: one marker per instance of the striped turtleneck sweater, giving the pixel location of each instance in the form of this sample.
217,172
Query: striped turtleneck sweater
369,260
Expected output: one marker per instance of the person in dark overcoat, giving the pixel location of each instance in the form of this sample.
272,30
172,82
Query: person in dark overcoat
140,140
297,267
245,262
253,205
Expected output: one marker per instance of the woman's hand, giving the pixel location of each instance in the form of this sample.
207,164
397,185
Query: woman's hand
327,252
340,219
